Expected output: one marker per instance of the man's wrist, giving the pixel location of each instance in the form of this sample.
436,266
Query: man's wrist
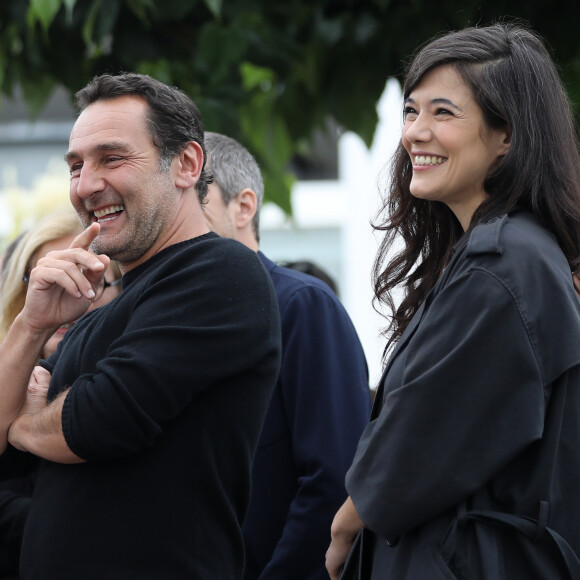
32,333
18,430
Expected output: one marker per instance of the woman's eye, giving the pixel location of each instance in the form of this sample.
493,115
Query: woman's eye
442,111
408,111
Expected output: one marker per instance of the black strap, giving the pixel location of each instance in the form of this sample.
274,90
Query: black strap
531,528
359,561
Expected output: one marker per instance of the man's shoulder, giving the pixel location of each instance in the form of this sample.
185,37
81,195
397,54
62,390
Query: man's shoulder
207,263
205,251
289,283
215,246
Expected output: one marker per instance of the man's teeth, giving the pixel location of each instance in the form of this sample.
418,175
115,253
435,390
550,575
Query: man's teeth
428,160
101,213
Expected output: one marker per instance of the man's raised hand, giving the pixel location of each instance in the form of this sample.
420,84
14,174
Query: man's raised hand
63,283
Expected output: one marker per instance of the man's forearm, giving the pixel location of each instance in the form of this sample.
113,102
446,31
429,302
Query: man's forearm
60,289
41,433
19,353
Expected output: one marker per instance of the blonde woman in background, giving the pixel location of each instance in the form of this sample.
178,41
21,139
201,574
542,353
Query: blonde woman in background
55,231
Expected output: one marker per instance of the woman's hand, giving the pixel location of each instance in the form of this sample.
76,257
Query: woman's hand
37,391
62,285
35,402
343,531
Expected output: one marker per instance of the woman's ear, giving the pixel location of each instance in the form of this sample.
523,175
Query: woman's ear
188,165
506,141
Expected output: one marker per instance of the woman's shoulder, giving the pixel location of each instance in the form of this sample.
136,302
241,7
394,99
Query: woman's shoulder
518,231
518,254
518,248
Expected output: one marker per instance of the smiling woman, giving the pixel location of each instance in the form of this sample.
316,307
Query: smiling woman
449,144
469,467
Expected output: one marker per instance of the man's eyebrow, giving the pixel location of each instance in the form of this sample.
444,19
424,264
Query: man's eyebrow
109,146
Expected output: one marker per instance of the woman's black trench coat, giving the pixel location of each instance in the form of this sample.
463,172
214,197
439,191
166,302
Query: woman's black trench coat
476,426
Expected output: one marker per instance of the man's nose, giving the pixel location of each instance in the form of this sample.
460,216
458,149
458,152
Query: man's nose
89,182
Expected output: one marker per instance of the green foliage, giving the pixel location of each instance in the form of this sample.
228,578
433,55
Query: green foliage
43,11
215,7
267,73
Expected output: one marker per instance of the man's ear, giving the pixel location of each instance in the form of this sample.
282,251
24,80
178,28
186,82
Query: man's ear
188,165
246,207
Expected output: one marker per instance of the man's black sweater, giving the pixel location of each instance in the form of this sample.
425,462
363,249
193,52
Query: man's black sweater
169,385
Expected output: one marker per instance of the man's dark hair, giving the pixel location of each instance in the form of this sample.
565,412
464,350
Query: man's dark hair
173,117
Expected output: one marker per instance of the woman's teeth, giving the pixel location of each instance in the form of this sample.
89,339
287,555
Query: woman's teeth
429,160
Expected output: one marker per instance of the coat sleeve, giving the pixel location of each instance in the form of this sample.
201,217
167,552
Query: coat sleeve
463,397
324,383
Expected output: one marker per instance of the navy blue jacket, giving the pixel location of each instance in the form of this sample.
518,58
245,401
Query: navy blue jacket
319,409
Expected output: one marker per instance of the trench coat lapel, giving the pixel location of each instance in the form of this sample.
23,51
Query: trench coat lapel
409,331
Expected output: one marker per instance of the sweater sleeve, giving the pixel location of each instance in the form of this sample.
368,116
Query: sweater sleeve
15,463
191,327
324,385
463,397
15,499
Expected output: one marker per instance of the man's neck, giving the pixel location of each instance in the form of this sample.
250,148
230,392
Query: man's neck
248,239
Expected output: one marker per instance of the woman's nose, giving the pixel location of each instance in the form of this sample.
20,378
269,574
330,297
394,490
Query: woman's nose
418,130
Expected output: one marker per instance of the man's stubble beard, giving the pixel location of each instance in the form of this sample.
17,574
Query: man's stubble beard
132,242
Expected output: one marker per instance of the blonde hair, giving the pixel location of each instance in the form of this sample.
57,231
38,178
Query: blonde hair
56,225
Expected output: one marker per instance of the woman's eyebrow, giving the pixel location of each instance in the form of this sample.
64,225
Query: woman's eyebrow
436,101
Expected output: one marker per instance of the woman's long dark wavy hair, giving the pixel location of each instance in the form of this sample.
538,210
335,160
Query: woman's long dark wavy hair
517,86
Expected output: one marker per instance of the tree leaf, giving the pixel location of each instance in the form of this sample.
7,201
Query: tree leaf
37,91
89,24
255,76
142,9
215,7
159,69
69,5
43,11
